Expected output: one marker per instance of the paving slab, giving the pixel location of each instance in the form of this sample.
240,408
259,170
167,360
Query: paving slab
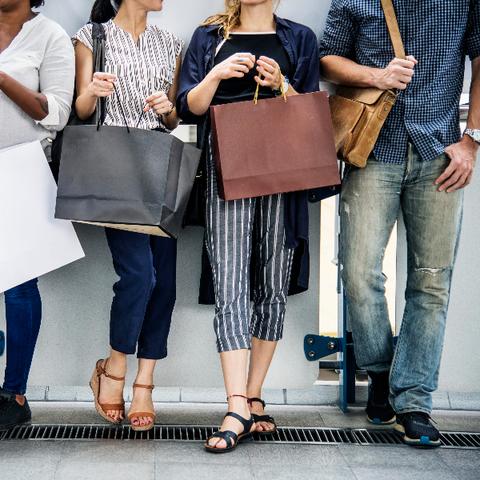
108,451
318,456
204,471
68,470
28,469
404,473
194,454
296,472
379,456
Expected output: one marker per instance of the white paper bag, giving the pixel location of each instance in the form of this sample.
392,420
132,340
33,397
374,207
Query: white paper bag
32,241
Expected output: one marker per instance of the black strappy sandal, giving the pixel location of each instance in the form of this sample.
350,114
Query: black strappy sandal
263,418
231,438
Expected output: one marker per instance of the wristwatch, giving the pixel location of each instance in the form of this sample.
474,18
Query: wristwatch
473,134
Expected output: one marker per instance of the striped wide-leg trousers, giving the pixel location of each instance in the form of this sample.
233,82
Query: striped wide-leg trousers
236,230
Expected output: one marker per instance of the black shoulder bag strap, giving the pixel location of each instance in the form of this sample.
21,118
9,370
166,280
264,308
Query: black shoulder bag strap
98,40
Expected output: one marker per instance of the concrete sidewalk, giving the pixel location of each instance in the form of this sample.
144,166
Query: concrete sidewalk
119,460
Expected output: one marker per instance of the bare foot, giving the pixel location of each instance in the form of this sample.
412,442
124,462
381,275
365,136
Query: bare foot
111,391
142,402
239,406
257,408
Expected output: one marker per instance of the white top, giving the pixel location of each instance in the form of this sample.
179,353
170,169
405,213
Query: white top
41,58
142,69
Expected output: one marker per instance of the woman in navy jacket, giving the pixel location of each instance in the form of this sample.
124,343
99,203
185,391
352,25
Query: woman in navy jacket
207,70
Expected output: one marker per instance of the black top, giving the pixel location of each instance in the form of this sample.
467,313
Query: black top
258,44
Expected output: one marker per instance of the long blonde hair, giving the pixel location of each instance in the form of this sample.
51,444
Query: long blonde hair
230,19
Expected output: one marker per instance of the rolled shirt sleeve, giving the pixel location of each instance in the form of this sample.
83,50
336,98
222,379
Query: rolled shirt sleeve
57,78
193,72
340,31
473,34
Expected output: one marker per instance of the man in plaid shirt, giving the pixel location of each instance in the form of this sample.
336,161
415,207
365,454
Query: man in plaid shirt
420,166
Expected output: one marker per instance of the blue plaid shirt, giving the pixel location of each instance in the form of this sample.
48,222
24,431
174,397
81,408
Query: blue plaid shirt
439,34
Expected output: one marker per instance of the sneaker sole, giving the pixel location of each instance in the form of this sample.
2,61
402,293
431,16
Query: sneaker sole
377,421
422,442
13,425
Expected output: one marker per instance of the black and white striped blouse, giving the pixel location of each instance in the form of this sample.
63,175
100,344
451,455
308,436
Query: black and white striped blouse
142,69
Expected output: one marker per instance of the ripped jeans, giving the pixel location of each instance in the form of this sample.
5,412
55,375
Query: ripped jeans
371,201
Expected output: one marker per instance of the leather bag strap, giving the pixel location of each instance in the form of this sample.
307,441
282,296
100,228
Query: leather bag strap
98,40
394,29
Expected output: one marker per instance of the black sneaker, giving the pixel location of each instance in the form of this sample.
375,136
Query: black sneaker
417,430
11,412
379,411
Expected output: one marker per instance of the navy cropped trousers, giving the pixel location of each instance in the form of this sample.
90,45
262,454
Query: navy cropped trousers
145,293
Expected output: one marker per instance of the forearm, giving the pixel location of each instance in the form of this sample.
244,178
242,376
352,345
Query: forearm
473,121
85,105
343,71
171,121
200,97
34,104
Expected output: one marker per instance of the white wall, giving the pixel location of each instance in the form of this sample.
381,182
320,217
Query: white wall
77,298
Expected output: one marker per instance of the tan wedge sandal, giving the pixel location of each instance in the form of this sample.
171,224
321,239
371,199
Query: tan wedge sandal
95,385
137,415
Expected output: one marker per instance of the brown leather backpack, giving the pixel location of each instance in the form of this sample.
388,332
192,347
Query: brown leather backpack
358,114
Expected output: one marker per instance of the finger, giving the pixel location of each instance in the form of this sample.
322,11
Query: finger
411,58
461,183
162,108
105,76
448,172
269,61
243,62
245,58
452,180
103,85
405,79
404,63
159,101
261,82
268,75
469,179
156,95
267,66
241,68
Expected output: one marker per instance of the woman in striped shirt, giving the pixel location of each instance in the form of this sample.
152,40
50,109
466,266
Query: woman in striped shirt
142,64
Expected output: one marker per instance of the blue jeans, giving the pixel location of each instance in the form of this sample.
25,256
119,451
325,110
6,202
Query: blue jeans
23,308
371,201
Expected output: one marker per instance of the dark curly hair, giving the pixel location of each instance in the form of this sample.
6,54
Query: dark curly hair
36,3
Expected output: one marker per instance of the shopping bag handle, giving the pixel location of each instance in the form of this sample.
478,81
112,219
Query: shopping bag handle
99,121
257,93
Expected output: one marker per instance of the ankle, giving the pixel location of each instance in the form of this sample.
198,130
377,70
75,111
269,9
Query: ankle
238,404
144,379
254,394
20,399
117,365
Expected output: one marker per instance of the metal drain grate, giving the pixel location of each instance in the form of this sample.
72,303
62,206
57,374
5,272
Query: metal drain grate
188,433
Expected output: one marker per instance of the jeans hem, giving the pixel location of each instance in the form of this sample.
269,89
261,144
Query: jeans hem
412,410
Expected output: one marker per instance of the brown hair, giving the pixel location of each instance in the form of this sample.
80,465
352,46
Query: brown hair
228,20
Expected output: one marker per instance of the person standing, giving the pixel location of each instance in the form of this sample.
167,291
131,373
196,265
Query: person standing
420,165
36,89
142,64
228,57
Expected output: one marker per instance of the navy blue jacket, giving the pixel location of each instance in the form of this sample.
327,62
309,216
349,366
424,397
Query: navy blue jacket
300,43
